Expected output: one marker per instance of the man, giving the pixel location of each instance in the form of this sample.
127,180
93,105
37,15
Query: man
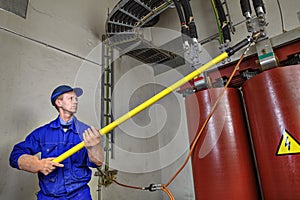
68,179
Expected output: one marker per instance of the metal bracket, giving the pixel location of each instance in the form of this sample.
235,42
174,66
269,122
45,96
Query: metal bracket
266,54
106,177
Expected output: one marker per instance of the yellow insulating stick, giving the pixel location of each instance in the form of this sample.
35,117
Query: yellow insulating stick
146,104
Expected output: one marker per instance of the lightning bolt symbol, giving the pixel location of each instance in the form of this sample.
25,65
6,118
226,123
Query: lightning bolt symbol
287,143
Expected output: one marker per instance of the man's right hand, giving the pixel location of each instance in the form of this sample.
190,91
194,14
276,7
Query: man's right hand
33,164
47,166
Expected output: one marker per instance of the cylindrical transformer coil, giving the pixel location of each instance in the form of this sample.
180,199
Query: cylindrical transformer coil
272,101
222,161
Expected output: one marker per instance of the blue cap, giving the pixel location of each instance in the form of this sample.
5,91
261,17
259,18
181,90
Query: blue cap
63,89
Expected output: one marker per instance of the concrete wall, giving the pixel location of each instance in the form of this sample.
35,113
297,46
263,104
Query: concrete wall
151,146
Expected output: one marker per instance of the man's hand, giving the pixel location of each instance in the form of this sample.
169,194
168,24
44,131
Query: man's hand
34,165
92,141
47,166
91,137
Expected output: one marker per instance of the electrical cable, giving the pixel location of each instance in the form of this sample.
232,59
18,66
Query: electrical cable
179,11
128,186
246,8
189,18
257,4
218,22
187,6
223,21
161,187
184,27
168,192
187,14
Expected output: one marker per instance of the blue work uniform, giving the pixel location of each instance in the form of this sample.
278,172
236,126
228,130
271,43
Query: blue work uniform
70,181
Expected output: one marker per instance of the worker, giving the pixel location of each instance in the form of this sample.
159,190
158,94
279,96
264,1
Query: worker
68,179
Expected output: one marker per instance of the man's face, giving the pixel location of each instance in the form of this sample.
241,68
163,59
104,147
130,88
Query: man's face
68,102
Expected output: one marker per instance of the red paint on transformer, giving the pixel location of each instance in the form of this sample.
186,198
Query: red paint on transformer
222,164
273,104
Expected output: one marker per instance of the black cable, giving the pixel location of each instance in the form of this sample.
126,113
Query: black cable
186,11
223,21
179,12
238,46
189,18
184,27
221,12
226,33
259,3
245,6
187,8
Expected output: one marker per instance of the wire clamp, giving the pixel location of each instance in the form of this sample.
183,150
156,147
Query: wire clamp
153,187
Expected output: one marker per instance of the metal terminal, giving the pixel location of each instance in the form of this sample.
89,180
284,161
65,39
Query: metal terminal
258,26
258,23
260,12
247,15
249,22
194,54
256,36
186,46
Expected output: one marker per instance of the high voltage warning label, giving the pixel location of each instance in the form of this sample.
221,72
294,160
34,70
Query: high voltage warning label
288,145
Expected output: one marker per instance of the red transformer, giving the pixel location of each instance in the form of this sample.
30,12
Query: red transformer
223,166
272,101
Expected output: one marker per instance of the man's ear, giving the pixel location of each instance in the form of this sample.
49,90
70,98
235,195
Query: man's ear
58,102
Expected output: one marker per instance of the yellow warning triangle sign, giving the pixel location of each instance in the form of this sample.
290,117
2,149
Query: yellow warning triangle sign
288,145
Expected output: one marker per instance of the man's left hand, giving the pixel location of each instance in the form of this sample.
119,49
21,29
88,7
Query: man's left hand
91,137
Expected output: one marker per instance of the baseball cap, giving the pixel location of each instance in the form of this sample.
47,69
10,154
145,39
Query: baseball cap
63,89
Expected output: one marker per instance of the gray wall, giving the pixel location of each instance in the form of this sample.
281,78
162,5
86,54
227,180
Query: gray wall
151,146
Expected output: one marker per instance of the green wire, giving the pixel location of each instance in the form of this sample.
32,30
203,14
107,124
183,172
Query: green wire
218,22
